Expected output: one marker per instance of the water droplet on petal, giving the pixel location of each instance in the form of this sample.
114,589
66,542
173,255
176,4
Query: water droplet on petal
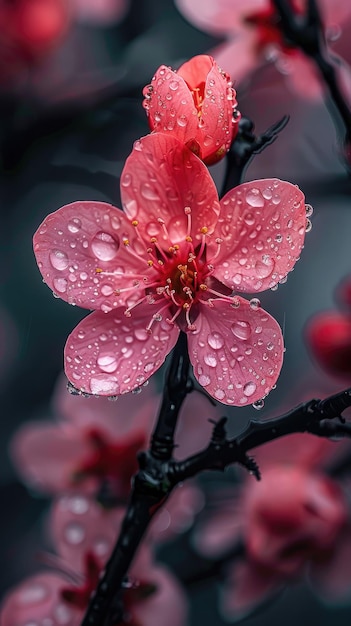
104,246
254,198
32,594
58,260
173,85
107,362
74,225
105,385
74,533
219,394
258,405
204,380
215,340
78,505
255,304
148,367
249,389
210,360
148,192
60,284
308,225
126,179
241,329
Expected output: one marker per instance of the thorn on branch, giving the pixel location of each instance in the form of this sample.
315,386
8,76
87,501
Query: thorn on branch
250,464
219,434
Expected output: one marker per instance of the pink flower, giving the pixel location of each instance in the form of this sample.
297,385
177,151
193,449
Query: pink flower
254,37
295,519
170,263
92,446
196,104
84,535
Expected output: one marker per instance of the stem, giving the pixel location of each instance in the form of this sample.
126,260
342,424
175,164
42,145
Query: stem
174,393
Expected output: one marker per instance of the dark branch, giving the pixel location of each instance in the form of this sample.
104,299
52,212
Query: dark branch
245,146
316,417
306,33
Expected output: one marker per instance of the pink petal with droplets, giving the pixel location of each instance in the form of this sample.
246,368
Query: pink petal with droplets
168,605
215,134
160,178
179,116
262,225
237,353
79,524
109,354
246,588
218,16
81,238
46,455
37,600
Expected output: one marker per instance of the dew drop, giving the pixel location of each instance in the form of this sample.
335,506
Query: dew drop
60,284
219,394
249,219
59,260
74,225
249,389
32,594
204,380
141,334
106,290
308,225
210,360
254,198
148,192
173,85
265,267
255,304
78,505
258,405
182,120
107,362
215,341
241,329
105,385
126,180
148,367
104,246
74,533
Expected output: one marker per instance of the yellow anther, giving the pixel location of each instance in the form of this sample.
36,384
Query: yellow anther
160,262
188,239
98,270
135,223
171,249
186,305
204,230
176,247
203,287
153,240
126,242
150,263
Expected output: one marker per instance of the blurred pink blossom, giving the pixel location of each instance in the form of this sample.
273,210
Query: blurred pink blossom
84,534
99,12
254,38
94,442
295,520
196,104
170,263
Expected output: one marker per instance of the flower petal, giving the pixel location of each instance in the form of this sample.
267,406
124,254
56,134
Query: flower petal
331,578
109,354
237,353
47,456
179,116
37,600
79,525
218,16
160,178
247,587
72,243
262,225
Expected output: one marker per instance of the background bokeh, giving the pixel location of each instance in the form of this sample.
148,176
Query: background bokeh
66,130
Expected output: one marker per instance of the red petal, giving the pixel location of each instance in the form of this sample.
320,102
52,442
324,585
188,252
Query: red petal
160,178
75,241
237,353
109,354
262,224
